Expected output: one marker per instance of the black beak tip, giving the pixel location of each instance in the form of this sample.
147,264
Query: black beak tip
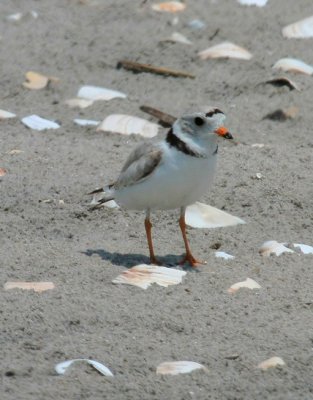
228,136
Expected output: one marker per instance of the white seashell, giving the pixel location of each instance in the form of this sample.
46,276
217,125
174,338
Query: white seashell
199,215
300,30
36,286
273,247
14,151
36,81
144,275
225,50
86,122
271,362
127,124
14,17
222,254
169,6
99,93
79,103
178,367
248,284
38,123
258,145
259,3
304,248
177,37
62,367
196,24
6,114
293,65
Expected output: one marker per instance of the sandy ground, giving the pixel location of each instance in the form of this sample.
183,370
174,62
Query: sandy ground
128,329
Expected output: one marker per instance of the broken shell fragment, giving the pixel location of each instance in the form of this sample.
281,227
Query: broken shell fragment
177,37
98,93
178,367
271,362
6,114
38,123
259,3
273,247
299,30
304,248
283,114
62,367
248,284
144,275
38,81
36,286
3,171
222,254
169,6
127,125
225,50
86,122
199,215
293,65
79,103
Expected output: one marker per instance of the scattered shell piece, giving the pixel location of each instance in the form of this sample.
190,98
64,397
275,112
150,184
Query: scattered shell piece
222,254
144,275
283,81
199,215
169,6
273,247
62,367
300,30
36,81
293,65
14,151
177,37
304,248
38,123
98,93
178,367
6,114
225,50
86,122
18,16
3,171
259,3
258,175
79,103
258,145
196,24
248,284
271,362
283,114
127,124
36,286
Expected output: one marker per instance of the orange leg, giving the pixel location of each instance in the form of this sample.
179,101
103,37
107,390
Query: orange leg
188,257
148,227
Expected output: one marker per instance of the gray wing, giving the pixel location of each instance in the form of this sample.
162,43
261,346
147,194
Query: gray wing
140,164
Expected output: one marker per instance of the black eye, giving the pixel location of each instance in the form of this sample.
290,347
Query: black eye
199,121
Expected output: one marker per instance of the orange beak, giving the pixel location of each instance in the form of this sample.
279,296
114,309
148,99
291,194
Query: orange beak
222,131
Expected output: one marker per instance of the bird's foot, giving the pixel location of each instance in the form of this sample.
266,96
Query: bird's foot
190,259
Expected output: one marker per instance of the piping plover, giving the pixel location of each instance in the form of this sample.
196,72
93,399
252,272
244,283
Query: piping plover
172,173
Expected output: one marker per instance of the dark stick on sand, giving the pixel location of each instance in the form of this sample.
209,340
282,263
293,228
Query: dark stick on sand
138,67
166,120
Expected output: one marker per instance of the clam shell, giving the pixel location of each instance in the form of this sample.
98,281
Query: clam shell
169,6
248,284
304,248
299,30
6,114
177,37
271,362
273,247
62,367
127,125
259,3
178,367
98,93
36,286
38,123
225,50
144,275
293,65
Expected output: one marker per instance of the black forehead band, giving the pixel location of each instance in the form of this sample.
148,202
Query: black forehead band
213,112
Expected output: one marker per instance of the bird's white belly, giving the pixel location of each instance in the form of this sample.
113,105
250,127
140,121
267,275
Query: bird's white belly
176,182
